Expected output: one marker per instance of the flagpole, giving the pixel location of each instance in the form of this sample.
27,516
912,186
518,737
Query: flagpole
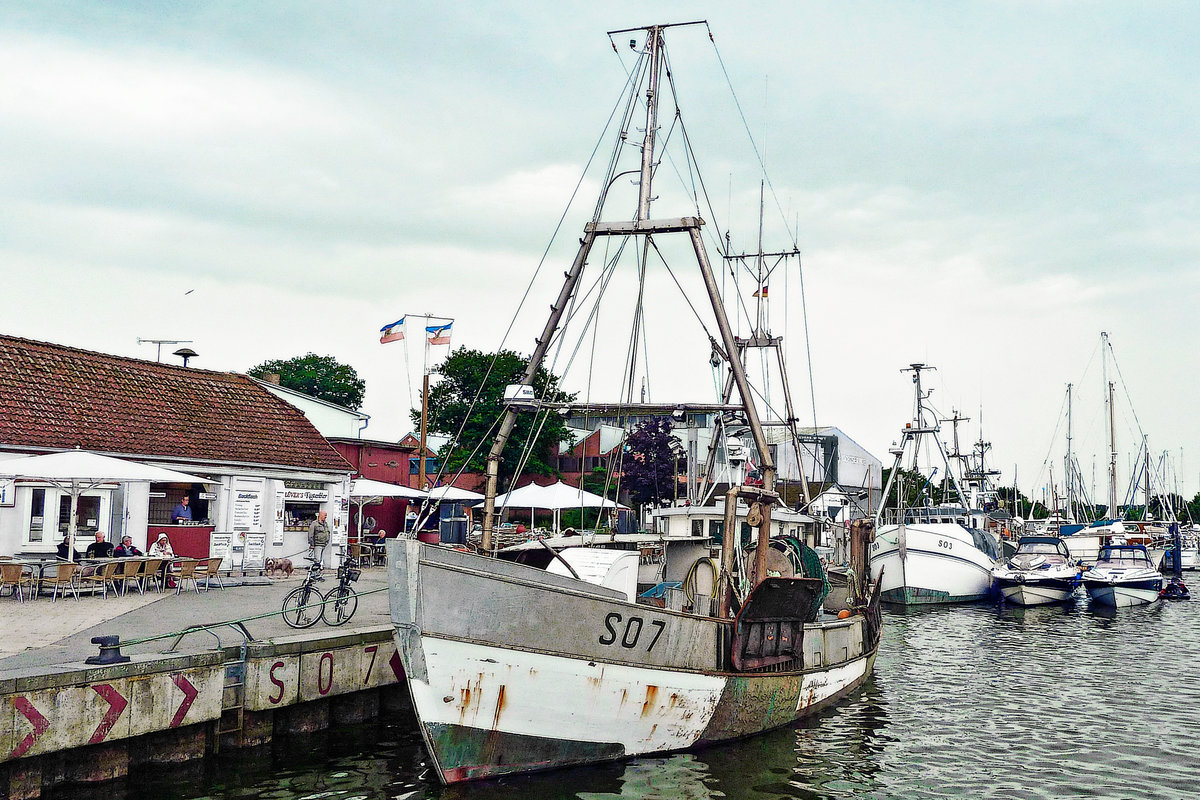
424,413
439,334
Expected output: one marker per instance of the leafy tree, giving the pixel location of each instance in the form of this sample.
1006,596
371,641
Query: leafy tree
450,408
916,489
317,376
649,464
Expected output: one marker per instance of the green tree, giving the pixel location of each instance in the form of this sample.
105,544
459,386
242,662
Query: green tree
317,376
453,406
914,489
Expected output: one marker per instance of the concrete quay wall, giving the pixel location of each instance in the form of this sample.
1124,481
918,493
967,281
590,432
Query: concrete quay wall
79,723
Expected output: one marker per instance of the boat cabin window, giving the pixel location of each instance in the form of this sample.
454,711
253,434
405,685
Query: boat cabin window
716,529
1044,548
697,527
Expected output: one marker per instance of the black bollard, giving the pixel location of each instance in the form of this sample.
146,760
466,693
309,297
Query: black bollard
110,651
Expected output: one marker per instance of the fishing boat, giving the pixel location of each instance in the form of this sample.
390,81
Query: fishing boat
1040,571
930,554
1123,575
516,669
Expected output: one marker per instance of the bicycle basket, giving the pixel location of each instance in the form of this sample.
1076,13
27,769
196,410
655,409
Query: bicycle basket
353,574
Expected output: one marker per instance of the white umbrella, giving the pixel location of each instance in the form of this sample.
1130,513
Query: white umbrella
453,493
364,490
555,497
365,487
79,471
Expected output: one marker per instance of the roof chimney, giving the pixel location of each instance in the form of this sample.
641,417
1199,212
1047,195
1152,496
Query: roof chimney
271,377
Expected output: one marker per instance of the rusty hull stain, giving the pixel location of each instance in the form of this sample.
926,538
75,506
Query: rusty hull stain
651,694
500,702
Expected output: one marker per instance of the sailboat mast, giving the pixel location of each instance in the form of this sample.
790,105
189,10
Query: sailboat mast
1112,430
1070,465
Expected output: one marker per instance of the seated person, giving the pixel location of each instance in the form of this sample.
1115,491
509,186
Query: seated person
378,537
126,548
182,512
99,548
64,549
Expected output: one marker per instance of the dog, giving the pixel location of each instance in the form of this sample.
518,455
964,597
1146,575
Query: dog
281,567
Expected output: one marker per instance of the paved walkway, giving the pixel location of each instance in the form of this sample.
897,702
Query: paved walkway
42,633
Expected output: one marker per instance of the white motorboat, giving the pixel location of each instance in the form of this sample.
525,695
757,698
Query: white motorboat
934,553
1041,571
1123,576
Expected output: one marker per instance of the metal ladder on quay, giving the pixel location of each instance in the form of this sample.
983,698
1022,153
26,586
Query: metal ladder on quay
233,699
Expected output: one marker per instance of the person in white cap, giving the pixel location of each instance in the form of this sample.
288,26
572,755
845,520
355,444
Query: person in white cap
162,549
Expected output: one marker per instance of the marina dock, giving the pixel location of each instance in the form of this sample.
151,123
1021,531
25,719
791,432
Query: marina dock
179,697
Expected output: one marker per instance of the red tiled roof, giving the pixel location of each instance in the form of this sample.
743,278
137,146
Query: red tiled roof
53,396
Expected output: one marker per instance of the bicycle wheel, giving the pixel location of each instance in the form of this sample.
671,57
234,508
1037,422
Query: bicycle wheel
340,605
301,607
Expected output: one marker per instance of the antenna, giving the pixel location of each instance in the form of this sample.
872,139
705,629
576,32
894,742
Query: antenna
160,343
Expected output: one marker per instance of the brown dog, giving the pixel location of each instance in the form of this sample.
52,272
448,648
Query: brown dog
279,566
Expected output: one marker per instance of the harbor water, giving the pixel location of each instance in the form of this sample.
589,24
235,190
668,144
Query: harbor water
972,701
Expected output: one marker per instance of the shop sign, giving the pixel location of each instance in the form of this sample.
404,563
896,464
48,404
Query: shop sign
8,492
306,495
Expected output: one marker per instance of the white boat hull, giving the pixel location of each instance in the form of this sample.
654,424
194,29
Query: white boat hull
554,711
1120,596
930,563
513,669
1026,594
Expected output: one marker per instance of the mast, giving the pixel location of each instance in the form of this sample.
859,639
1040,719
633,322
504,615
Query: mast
1070,465
1112,430
643,225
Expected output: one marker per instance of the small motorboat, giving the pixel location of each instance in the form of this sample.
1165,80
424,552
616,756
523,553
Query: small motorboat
1123,575
1040,571
1176,589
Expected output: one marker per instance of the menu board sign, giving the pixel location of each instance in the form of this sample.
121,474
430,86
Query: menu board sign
255,554
247,510
219,544
280,517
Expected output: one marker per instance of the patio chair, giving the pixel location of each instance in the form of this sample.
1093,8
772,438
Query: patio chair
131,572
18,576
65,577
209,570
185,570
104,576
151,574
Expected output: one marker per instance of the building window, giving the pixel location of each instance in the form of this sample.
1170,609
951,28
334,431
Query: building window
37,516
87,519
414,465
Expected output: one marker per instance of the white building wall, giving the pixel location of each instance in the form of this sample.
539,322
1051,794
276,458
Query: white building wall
331,420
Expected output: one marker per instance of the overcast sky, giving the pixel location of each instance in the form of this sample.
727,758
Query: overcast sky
980,186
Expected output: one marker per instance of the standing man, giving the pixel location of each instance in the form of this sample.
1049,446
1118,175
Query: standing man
318,537
182,512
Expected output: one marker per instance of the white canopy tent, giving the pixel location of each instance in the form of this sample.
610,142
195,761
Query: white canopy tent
79,471
555,497
365,490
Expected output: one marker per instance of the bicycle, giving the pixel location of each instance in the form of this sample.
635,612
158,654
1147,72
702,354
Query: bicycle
341,601
303,606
